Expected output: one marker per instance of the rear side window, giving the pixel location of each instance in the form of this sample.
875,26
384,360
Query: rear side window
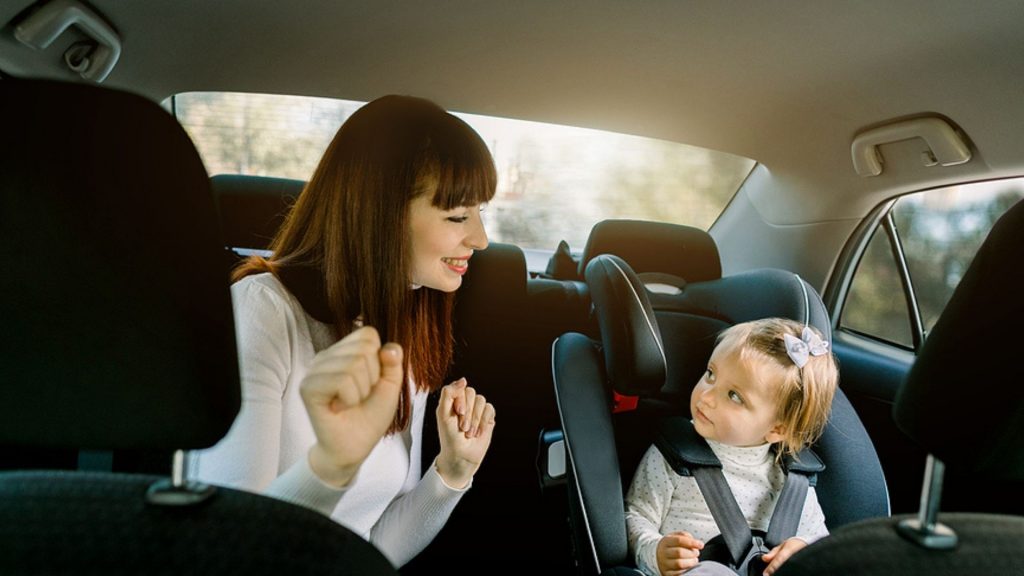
917,256
554,182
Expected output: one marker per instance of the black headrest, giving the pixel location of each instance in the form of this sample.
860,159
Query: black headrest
683,251
634,356
252,208
496,279
117,322
964,397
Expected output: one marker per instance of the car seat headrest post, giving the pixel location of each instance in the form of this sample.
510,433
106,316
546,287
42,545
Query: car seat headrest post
177,491
925,530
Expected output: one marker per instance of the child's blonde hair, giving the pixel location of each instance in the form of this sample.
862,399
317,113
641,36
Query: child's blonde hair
803,395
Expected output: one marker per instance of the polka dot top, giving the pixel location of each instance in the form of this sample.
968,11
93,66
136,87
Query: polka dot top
660,501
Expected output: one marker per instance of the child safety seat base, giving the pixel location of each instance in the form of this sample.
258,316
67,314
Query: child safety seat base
738,546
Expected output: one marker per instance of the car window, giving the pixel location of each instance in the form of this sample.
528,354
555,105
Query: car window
554,182
936,234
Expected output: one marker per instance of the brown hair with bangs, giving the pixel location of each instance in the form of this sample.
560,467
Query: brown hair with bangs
351,226
803,395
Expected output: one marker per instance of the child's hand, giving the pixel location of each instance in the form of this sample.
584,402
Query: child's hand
678,552
778,555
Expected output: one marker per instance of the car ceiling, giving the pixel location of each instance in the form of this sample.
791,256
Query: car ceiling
786,83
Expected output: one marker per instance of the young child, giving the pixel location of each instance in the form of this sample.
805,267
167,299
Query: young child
769,383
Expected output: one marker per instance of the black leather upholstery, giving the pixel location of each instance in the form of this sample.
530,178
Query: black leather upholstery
604,448
964,403
118,333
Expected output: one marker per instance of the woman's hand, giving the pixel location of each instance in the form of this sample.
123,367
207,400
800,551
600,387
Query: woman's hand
351,394
465,422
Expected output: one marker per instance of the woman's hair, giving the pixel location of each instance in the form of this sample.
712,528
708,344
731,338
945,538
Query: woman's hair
351,225
803,395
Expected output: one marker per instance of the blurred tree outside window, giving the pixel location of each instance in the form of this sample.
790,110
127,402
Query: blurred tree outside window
940,231
554,182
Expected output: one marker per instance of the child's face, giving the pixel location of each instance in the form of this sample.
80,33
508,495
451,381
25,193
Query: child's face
731,406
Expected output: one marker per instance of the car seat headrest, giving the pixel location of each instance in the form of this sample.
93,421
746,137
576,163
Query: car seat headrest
683,251
633,352
963,399
252,208
118,329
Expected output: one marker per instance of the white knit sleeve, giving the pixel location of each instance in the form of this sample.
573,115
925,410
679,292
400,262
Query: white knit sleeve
248,456
647,503
412,520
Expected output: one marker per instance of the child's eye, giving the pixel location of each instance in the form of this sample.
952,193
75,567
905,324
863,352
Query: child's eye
735,397
709,375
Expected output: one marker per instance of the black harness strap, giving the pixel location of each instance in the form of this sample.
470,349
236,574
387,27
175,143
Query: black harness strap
689,455
788,509
727,513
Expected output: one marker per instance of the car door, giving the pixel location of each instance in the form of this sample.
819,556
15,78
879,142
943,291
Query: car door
896,276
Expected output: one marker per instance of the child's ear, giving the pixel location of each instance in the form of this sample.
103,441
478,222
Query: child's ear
776,434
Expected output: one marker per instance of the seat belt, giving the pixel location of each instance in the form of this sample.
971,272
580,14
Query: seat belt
689,455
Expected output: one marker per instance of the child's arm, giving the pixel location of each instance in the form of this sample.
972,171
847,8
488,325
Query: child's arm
812,527
647,503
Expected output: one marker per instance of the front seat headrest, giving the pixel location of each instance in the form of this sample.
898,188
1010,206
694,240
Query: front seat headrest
963,399
634,355
118,330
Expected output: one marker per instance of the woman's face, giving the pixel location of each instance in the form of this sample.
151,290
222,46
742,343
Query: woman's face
442,242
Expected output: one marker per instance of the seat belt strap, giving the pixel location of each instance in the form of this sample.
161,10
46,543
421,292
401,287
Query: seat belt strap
726,512
788,509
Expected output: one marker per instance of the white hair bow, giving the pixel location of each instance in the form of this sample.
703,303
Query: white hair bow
801,349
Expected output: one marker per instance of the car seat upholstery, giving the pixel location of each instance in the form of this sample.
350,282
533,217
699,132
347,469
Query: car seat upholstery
963,402
252,208
655,346
505,322
118,334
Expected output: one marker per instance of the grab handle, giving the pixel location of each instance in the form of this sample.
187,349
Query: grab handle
946,145
44,25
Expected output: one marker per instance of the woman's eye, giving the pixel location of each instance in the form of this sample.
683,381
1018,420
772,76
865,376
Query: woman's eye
458,219
735,397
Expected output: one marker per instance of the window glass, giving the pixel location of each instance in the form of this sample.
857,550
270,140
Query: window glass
940,231
554,182
875,304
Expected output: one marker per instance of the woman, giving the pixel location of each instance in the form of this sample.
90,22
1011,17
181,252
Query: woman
371,253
